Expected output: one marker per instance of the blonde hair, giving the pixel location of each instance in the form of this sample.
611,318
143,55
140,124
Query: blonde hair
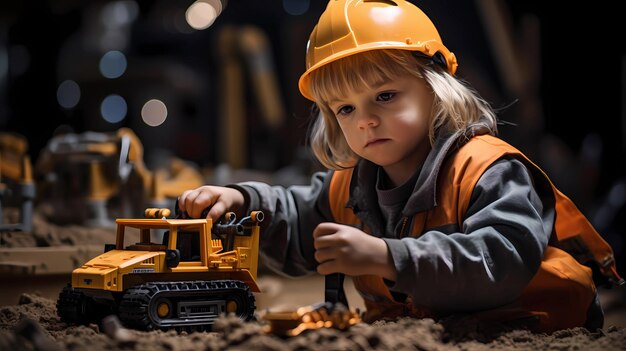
456,108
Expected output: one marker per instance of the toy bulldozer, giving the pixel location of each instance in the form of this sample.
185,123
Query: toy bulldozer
168,273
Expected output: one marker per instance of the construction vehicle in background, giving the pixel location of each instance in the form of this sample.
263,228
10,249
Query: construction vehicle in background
244,56
29,258
17,188
194,271
92,177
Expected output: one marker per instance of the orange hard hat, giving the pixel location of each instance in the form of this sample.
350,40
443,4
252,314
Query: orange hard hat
348,27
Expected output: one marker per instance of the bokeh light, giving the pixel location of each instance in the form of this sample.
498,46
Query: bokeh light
118,13
154,113
68,94
113,64
296,7
201,15
113,108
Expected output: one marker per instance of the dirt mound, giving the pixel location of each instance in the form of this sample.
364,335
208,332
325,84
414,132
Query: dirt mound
33,325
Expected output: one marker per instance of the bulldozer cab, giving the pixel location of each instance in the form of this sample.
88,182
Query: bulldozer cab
185,239
187,244
176,245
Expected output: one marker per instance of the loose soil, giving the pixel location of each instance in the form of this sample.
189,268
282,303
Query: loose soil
29,321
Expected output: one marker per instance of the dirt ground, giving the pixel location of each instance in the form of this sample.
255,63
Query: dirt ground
28,319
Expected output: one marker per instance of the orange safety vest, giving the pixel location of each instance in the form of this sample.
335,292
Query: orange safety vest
559,294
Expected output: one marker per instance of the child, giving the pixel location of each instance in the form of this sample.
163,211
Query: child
423,206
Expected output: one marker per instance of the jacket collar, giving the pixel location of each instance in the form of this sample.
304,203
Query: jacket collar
363,199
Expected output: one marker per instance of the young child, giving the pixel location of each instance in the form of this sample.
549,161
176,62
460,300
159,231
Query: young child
422,206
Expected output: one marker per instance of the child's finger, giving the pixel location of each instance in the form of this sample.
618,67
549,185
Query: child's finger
217,210
324,254
322,242
327,267
323,229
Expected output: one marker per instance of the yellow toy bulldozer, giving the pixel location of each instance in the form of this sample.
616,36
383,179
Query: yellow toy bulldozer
167,273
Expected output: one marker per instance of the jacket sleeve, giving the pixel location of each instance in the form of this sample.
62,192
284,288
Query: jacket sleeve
291,214
488,262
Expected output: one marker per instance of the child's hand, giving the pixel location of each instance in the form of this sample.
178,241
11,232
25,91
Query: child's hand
345,249
218,200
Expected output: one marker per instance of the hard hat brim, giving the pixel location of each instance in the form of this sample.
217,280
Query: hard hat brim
429,48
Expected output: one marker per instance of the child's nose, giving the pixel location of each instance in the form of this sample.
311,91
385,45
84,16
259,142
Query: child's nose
368,119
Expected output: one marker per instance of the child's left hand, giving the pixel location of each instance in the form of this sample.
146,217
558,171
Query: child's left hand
344,249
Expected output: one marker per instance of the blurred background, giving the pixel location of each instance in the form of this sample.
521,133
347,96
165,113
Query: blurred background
214,83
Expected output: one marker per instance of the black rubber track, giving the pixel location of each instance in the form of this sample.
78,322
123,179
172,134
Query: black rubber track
74,307
137,308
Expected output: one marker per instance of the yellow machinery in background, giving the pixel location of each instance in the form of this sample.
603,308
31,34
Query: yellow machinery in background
245,52
84,176
17,188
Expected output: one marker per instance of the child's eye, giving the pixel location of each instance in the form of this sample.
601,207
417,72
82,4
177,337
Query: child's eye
344,110
386,96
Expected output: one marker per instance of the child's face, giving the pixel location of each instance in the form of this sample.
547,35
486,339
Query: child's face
388,124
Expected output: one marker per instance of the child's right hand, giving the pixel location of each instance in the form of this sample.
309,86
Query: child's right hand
217,199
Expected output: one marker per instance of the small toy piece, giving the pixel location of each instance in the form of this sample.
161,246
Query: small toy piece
333,313
184,281
317,316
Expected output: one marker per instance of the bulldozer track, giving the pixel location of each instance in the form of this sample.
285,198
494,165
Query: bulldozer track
185,305
74,307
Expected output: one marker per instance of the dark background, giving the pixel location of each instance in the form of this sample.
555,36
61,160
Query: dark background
565,94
